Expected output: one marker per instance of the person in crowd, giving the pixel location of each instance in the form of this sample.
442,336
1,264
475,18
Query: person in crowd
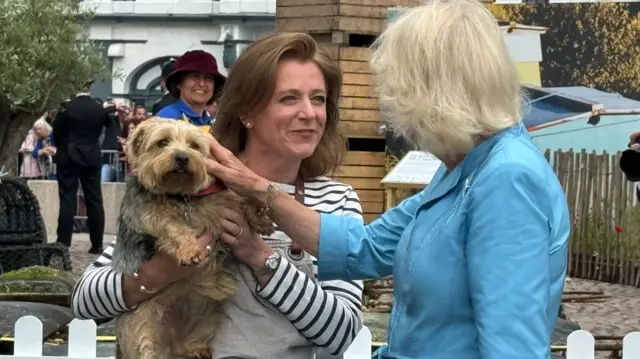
77,130
44,149
287,130
168,98
50,115
212,109
112,167
479,256
196,83
29,166
140,114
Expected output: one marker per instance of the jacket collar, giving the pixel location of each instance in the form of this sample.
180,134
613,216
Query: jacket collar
185,109
445,180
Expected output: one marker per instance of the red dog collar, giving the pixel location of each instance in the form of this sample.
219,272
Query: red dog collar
216,186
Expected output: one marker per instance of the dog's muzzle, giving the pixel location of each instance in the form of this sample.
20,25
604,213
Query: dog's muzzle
181,161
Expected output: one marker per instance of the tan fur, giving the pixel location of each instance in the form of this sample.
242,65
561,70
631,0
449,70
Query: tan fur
181,320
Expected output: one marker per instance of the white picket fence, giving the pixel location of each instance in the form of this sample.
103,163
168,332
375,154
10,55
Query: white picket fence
82,342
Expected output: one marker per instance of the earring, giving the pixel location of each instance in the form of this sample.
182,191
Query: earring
249,124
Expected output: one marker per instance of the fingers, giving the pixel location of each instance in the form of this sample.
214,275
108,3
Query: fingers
229,239
230,227
633,138
234,216
215,168
206,259
218,151
205,240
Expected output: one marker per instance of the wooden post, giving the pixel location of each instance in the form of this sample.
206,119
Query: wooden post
346,29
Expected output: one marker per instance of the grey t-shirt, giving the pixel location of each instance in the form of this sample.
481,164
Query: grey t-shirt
252,328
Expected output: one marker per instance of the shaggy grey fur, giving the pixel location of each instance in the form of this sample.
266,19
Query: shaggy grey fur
132,249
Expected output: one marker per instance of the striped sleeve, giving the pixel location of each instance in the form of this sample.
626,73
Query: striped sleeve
98,293
329,313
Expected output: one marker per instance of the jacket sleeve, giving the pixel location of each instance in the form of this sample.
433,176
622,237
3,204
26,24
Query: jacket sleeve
37,148
29,143
507,254
98,293
349,249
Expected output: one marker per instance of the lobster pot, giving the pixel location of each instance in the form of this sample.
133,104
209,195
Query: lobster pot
23,237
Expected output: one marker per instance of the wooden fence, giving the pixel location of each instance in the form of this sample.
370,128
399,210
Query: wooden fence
605,234
82,343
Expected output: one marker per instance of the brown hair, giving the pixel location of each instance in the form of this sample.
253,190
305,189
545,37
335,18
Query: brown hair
250,85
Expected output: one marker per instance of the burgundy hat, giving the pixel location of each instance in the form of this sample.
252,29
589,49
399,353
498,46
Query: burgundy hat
195,61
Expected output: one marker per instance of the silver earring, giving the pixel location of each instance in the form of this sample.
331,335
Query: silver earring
249,124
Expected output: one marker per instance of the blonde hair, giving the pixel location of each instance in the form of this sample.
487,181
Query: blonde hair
444,77
250,86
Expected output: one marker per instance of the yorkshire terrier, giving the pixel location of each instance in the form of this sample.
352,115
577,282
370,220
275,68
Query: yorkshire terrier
171,200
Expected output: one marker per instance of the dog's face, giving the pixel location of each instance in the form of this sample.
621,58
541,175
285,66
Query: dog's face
168,156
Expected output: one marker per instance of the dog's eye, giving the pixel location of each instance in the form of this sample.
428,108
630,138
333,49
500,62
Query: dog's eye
194,146
163,143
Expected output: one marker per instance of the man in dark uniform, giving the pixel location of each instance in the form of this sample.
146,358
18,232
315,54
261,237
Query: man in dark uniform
77,131
167,99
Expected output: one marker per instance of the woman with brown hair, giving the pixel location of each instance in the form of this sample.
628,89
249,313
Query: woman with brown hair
279,114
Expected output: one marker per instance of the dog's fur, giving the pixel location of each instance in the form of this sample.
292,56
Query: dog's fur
161,211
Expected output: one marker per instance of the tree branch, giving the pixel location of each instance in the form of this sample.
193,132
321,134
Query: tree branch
47,95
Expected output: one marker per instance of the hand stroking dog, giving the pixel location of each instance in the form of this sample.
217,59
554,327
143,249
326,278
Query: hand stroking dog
169,202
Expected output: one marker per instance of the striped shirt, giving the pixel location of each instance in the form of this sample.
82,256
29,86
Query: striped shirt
327,313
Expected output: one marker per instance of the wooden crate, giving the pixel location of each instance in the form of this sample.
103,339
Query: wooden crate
359,112
335,19
364,171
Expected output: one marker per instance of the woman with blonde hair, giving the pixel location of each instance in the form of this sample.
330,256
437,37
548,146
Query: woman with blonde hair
479,256
44,149
279,113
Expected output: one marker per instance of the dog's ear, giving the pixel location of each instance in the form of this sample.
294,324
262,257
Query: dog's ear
136,140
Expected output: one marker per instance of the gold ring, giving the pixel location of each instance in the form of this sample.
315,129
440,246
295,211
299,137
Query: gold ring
239,232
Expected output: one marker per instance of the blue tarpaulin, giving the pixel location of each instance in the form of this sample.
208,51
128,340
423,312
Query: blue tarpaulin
547,105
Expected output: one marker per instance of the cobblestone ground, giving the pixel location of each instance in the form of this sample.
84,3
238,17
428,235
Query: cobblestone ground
618,315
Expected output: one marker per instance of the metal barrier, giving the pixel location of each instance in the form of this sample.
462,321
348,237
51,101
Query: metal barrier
44,167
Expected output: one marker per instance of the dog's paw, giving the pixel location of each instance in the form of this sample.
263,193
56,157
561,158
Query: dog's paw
202,352
190,253
261,223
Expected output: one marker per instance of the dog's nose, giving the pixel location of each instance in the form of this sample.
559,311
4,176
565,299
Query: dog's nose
182,160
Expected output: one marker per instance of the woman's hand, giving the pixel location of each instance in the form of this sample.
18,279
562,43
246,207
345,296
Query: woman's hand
235,175
633,139
245,243
159,272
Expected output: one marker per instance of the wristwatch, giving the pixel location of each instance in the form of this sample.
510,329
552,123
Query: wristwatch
270,265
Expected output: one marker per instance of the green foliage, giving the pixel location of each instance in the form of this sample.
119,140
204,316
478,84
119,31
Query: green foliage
45,54
587,44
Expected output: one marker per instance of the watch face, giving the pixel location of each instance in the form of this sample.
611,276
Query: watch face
272,263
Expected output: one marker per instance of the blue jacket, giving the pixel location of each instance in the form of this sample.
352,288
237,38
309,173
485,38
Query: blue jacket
40,145
181,111
478,257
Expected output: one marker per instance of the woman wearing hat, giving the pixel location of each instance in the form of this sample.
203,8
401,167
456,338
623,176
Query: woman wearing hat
196,83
